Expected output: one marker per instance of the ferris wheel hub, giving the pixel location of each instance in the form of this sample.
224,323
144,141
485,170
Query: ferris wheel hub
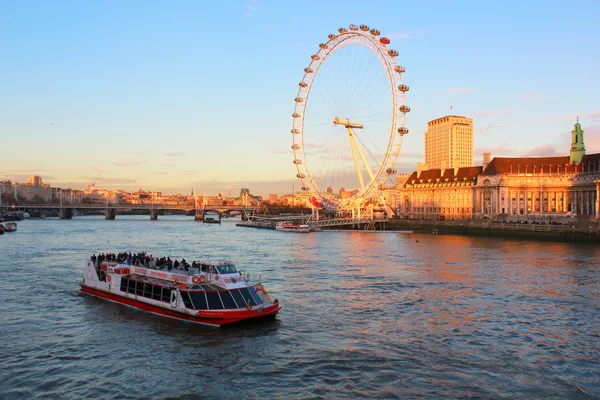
347,123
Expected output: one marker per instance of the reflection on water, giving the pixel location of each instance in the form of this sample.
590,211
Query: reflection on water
365,315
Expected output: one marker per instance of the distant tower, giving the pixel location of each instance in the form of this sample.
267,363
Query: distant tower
577,145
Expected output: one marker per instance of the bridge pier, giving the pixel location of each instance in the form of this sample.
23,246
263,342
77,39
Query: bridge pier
199,216
153,215
110,213
66,213
244,215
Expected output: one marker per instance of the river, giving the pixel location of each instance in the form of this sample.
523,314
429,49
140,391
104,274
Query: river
365,315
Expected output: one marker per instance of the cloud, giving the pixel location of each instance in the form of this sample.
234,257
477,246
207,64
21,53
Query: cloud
126,163
548,150
561,117
453,90
570,117
175,154
109,181
413,154
493,113
250,9
282,151
408,34
529,96
487,128
500,150
593,115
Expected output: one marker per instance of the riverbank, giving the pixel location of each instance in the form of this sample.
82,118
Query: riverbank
582,232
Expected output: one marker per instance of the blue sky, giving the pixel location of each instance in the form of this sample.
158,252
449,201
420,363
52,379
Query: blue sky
179,95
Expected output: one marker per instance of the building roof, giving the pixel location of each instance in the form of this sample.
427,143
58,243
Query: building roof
541,165
432,175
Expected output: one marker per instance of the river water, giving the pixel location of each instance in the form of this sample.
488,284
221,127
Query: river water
366,315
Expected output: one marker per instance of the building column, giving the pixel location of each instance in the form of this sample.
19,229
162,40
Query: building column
597,199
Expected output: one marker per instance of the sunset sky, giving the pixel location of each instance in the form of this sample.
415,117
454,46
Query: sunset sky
195,94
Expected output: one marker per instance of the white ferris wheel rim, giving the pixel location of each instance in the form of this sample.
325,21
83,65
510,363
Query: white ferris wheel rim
387,164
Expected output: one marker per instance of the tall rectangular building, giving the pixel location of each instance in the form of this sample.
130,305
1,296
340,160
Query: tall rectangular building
449,142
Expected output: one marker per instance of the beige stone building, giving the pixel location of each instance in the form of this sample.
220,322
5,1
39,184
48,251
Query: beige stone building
449,143
549,189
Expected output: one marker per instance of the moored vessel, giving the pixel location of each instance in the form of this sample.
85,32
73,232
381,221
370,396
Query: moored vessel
211,294
292,227
10,226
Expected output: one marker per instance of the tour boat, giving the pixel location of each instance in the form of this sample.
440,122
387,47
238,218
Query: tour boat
10,226
292,227
212,218
214,295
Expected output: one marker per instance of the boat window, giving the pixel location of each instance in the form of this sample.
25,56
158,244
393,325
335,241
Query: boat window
186,299
238,298
210,287
256,297
156,292
131,286
227,299
166,295
148,290
124,284
139,288
226,269
248,299
199,300
214,302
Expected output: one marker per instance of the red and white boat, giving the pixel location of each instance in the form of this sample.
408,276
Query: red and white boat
215,294
292,227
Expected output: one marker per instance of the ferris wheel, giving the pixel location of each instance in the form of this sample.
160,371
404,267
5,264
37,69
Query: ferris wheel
349,120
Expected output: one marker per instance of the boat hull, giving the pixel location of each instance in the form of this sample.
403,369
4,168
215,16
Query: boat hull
213,319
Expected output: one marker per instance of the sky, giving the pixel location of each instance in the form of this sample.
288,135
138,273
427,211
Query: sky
175,96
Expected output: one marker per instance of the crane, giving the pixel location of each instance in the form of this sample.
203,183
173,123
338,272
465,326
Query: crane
229,193
92,185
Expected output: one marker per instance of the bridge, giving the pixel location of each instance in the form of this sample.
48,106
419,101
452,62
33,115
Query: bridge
67,210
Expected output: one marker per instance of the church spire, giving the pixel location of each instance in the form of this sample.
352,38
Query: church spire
577,145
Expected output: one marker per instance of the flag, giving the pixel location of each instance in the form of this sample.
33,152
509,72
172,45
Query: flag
450,108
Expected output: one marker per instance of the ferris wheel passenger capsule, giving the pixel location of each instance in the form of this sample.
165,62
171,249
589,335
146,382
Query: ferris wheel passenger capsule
342,30
375,32
353,27
384,40
297,161
323,46
364,28
303,84
399,69
308,70
391,171
404,108
295,131
315,57
295,115
298,100
403,88
295,146
402,130
305,188
300,176
331,36
393,53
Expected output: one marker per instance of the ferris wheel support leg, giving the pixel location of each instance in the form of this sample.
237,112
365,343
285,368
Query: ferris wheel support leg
364,160
353,146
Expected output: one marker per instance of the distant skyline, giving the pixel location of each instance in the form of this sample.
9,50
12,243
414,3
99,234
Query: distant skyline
198,95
